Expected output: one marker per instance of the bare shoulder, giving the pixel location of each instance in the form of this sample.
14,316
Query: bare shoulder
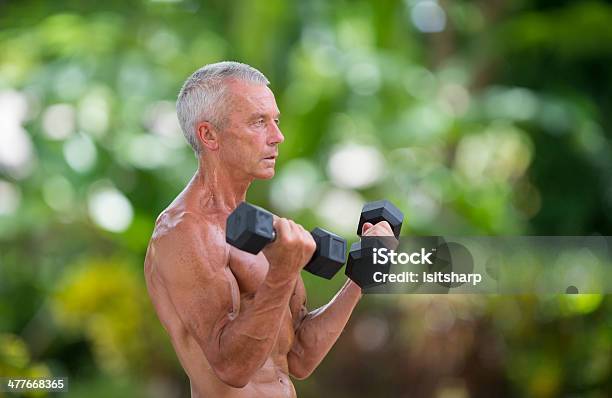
176,221
184,239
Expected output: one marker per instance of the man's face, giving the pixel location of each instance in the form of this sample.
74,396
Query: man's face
249,141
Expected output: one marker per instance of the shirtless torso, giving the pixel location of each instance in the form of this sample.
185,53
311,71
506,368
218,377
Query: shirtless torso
244,273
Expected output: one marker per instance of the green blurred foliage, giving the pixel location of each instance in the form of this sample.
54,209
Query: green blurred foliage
498,123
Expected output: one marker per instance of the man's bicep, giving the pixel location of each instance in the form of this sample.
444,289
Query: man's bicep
203,290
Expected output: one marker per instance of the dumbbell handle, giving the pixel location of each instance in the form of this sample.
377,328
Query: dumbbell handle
274,235
336,248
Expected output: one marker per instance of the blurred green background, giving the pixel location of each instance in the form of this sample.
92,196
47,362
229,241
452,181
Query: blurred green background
487,117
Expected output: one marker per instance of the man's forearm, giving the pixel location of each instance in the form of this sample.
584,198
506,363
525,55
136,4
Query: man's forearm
247,340
320,329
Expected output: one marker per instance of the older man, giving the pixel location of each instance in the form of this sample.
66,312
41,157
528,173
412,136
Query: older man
238,322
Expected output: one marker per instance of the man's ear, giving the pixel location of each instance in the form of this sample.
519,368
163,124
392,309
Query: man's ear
208,135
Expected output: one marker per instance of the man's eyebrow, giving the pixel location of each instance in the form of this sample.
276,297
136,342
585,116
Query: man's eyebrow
263,115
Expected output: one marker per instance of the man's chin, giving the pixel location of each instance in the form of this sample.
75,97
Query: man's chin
266,174
269,174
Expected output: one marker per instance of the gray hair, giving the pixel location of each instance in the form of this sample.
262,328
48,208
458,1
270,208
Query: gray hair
203,96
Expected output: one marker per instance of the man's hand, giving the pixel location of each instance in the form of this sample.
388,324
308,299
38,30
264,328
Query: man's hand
380,229
292,249
383,229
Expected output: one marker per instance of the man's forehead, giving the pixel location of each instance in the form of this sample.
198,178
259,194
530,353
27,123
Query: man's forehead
252,97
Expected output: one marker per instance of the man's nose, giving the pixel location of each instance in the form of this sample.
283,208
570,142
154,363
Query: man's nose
275,136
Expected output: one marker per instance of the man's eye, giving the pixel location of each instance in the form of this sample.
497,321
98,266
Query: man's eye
260,122
277,121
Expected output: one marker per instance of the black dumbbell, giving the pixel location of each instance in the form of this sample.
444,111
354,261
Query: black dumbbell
250,228
359,266
381,210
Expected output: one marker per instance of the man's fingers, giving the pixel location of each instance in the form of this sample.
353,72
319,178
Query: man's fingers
386,226
281,226
380,229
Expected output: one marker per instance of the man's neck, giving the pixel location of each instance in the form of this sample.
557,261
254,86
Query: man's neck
218,187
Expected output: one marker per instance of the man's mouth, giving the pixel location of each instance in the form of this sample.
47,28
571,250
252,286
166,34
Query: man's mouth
273,157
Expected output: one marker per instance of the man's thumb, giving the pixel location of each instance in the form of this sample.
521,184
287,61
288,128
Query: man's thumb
365,227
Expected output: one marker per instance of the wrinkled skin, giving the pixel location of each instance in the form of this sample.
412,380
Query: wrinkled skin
238,322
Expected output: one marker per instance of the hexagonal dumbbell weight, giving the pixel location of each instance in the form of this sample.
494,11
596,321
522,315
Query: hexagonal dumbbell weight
381,210
359,266
250,228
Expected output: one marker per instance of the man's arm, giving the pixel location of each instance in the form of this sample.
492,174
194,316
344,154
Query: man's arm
207,298
319,329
